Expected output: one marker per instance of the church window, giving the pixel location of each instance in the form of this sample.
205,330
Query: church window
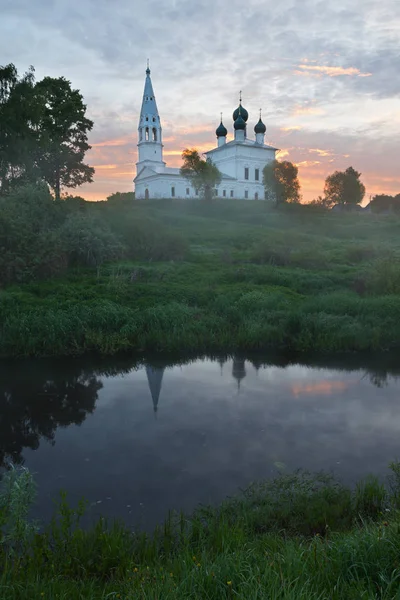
151,97
147,118
173,191
256,196
187,191
257,174
246,172
147,134
216,192
246,194
231,193
154,134
224,193
146,194
140,135
154,120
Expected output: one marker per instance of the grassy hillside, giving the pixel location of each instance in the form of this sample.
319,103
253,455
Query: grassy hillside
225,277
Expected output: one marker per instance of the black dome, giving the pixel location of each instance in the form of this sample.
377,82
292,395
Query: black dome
239,123
221,130
243,112
260,127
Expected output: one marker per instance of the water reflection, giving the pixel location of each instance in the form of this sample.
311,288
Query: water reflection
221,423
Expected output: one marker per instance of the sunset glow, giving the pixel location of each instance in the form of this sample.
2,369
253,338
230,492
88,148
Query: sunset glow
325,78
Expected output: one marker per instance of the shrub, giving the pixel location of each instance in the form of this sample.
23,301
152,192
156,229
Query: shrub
88,241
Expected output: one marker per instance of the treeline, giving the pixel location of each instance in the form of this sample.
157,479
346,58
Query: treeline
43,132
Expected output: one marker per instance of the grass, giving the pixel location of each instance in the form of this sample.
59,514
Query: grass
232,276
300,536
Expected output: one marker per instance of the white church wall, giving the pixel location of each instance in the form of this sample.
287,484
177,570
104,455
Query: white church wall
165,187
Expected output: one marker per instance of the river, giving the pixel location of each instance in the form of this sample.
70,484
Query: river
139,438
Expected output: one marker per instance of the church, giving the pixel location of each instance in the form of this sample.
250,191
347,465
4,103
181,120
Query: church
240,161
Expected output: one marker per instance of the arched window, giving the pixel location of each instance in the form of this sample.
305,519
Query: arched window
154,134
140,135
256,196
147,134
146,194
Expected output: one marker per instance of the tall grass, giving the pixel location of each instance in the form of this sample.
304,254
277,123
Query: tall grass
300,536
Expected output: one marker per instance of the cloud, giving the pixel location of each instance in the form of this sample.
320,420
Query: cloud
345,102
330,71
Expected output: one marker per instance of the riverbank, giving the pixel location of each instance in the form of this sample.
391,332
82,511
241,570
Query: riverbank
223,278
298,537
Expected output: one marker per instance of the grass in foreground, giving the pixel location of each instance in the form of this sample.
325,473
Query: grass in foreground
298,537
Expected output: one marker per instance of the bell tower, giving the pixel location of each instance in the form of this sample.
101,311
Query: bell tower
150,132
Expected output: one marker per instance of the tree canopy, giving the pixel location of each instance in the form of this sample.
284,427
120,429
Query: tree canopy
344,187
385,202
202,174
43,132
281,182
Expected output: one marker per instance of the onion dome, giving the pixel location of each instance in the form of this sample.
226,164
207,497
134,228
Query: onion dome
240,123
243,112
260,127
221,130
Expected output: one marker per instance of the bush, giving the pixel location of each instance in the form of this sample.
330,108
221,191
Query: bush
88,241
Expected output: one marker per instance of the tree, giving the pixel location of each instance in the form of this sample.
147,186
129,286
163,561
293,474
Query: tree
121,198
385,202
62,135
18,119
281,183
202,174
344,187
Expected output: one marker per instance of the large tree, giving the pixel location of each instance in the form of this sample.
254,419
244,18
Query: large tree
202,174
43,132
281,182
19,116
344,187
63,133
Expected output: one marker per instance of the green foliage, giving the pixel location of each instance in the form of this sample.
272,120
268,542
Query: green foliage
88,241
298,536
121,198
344,187
385,203
17,494
202,174
19,116
194,277
281,183
43,134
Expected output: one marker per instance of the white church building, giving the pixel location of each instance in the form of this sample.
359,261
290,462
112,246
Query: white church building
240,161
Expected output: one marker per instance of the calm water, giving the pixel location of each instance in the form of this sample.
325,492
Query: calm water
137,440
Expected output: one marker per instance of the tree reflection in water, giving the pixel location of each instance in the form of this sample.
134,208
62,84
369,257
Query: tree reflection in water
34,401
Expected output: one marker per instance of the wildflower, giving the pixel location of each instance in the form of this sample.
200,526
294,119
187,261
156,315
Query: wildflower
171,574
194,558
385,523
198,565
229,582
135,570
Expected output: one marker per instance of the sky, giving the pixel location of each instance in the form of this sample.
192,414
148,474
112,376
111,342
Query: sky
324,72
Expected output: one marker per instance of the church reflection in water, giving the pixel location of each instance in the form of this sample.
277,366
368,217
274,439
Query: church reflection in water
155,376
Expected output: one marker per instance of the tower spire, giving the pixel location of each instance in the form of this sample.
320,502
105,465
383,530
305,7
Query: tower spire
150,132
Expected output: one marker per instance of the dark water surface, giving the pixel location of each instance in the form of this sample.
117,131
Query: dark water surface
138,439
